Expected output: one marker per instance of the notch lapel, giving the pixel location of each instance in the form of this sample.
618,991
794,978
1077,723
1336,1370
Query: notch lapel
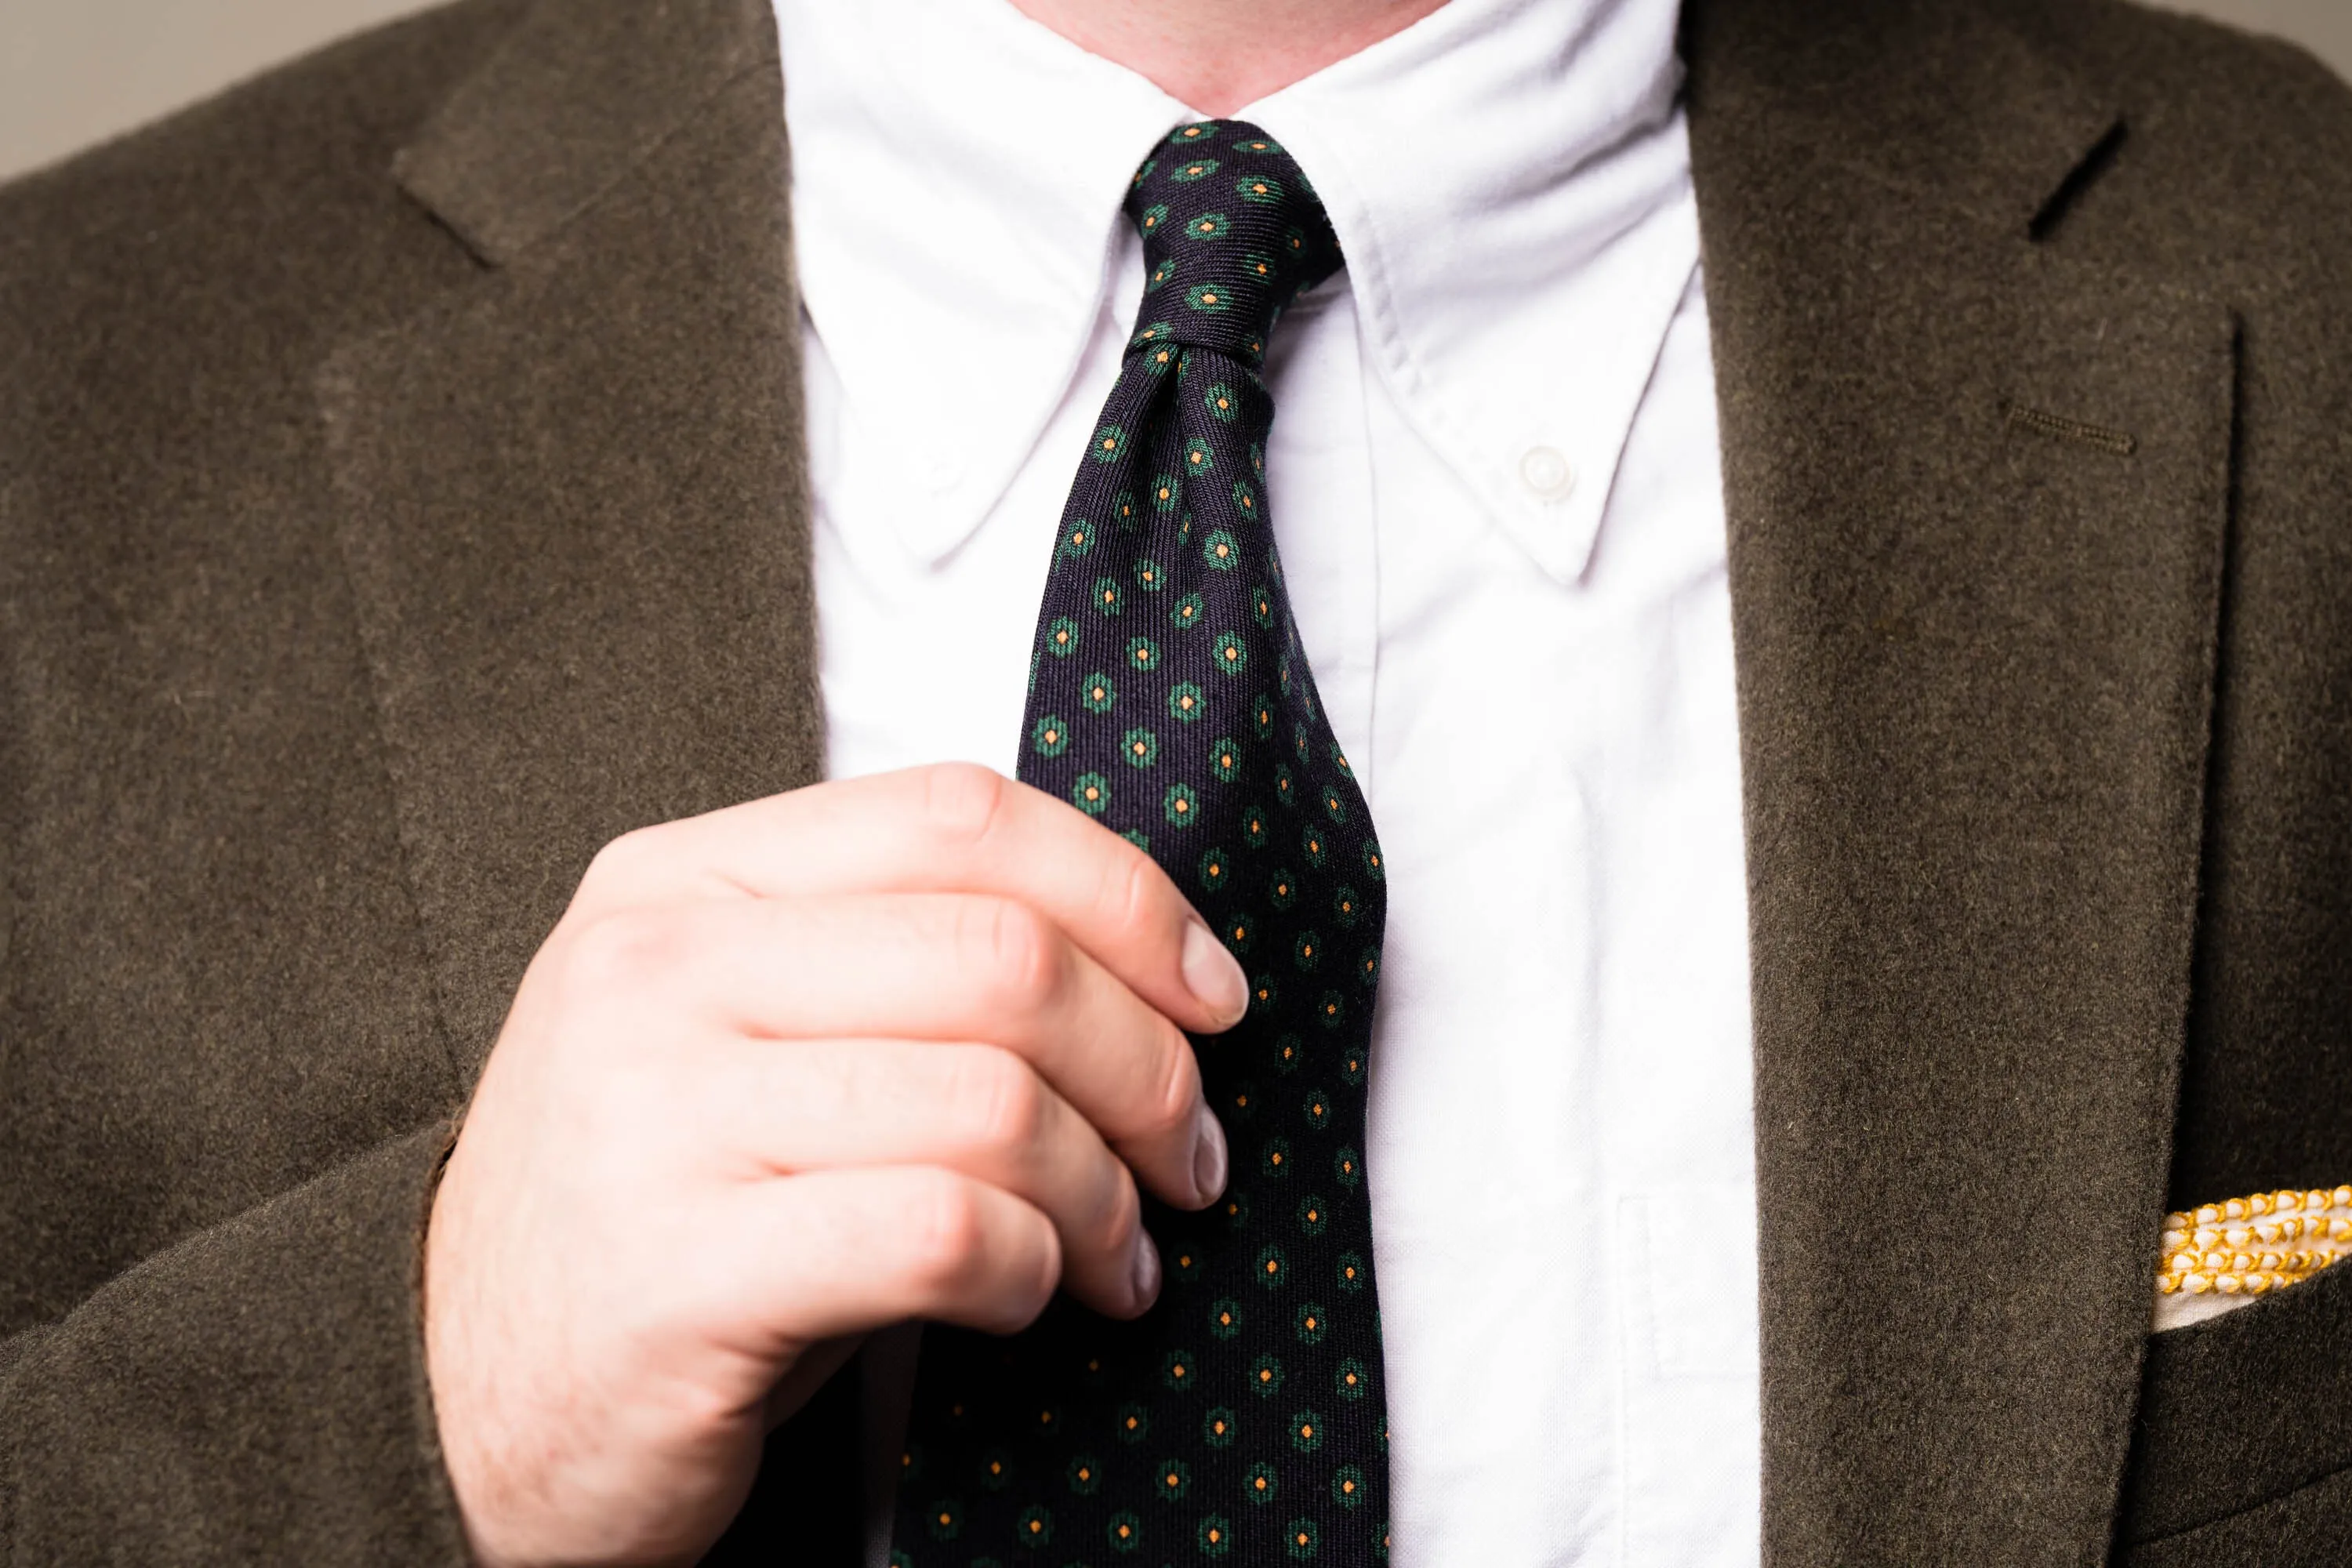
575,510
1975,639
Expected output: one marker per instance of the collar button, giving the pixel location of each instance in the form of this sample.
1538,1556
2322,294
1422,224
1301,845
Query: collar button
1547,475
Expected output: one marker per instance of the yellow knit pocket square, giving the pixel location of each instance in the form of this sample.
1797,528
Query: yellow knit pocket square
2231,1255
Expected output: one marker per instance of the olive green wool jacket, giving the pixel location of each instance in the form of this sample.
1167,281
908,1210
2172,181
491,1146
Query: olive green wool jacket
402,493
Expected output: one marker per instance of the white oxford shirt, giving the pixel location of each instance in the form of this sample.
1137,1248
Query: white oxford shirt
1495,481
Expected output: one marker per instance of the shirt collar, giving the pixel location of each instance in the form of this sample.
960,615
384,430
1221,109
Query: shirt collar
958,170
1510,182
957,176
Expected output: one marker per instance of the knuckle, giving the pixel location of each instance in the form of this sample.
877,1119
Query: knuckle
1172,1086
1019,951
962,801
948,1231
630,950
1003,1098
1131,893
618,862
1122,1216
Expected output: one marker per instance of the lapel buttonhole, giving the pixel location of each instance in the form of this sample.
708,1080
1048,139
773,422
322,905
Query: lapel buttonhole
2056,427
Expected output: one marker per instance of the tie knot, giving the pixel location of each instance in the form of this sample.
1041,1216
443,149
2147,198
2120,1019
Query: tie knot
1231,234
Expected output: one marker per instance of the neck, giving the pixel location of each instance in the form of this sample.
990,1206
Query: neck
1218,55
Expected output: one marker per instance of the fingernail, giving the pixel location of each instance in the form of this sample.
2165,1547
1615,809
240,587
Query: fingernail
1147,1269
1209,1157
1211,974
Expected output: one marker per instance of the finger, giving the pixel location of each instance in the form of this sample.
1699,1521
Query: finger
975,1109
927,967
846,1252
948,828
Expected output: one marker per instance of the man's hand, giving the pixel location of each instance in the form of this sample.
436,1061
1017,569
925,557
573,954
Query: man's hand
782,1074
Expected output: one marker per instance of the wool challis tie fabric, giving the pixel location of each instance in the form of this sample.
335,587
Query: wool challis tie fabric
1242,1416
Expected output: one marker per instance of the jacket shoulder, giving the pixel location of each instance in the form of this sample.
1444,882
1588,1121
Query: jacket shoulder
2233,166
275,196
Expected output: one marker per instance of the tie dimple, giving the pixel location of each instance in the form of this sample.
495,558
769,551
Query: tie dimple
1243,1417
1231,234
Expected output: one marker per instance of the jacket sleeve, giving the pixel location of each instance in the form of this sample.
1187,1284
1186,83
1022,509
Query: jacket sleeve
254,1394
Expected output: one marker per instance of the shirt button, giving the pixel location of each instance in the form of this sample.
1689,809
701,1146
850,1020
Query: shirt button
1547,474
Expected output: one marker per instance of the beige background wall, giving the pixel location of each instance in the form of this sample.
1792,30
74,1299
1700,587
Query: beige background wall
72,71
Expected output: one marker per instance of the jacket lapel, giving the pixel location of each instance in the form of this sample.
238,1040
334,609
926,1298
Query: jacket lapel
574,500
1977,499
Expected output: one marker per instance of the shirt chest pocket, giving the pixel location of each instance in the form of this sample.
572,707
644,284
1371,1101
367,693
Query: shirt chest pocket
1686,1308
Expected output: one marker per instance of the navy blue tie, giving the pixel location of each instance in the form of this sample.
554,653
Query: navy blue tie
1242,1417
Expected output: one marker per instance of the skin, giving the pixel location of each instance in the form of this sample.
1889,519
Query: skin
893,1049
898,1048
1219,55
